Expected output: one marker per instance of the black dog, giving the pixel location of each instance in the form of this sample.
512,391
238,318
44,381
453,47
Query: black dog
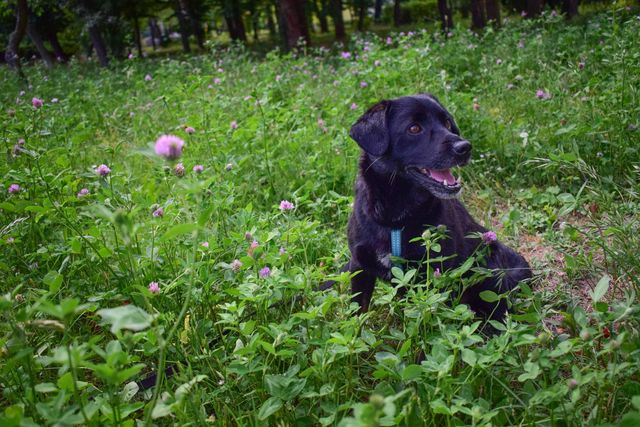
409,144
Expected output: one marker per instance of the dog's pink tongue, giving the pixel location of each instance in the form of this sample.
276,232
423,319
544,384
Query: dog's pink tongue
442,175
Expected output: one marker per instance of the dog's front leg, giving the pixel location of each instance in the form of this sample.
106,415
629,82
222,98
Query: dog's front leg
362,288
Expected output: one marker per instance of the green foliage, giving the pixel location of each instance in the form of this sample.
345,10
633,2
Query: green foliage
81,325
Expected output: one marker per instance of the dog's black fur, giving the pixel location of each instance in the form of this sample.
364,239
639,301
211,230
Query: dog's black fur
406,142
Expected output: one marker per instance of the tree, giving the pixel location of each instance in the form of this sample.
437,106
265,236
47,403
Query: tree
570,8
446,16
321,11
377,10
362,13
36,37
335,7
233,17
196,10
493,11
533,8
270,21
397,13
49,18
293,22
133,11
478,20
90,13
11,55
180,8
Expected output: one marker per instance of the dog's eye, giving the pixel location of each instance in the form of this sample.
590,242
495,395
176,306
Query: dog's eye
415,129
448,124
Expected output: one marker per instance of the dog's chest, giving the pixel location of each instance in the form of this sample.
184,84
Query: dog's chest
411,246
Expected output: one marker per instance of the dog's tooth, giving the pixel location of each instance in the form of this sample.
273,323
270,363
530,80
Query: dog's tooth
445,182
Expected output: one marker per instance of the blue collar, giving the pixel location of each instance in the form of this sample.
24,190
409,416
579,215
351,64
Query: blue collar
396,242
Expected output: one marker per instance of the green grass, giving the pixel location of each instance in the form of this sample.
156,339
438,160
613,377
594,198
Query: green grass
554,176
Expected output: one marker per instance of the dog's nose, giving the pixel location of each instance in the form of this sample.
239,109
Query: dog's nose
461,147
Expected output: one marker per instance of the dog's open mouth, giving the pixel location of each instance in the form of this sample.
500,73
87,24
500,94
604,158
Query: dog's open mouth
440,182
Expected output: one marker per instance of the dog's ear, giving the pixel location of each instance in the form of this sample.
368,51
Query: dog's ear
370,131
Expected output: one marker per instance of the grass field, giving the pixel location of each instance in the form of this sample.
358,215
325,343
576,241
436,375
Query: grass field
117,262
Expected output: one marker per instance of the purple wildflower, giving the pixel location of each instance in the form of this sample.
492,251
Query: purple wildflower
189,130
205,245
228,166
489,237
345,55
158,213
234,125
354,106
14,188
55,100
83,192
236,265
169,147
437,273
541,94
36,102
154,288
282,251
179,169
286,205
148,78
363,84
498,61
198,168
103,170
265,272
217,81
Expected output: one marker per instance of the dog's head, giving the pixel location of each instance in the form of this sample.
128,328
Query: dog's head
418,138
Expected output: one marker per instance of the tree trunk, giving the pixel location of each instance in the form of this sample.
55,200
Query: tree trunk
294,22
255,23
477,14
377,10
570,8
233,18
397,13
98,44
321,12
198,31
184,25
11,55
36,38
362,12
152,33
533,8
493,11
136,34
270,22
52,36
445,16
338,21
